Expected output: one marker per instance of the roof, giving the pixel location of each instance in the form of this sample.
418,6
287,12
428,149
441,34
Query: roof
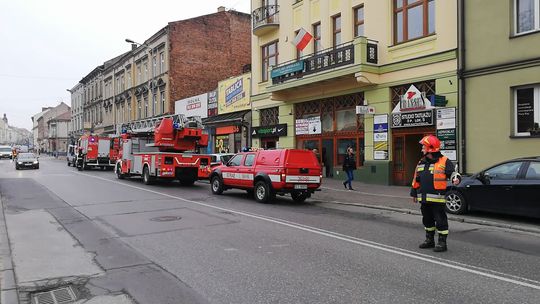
229,117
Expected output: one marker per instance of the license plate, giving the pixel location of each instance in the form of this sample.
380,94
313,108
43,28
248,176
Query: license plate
300,186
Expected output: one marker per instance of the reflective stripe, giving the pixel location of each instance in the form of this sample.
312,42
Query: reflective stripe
432,199
419,169
443,232
430,228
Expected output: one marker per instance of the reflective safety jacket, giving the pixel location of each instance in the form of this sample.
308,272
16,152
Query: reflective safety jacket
429,181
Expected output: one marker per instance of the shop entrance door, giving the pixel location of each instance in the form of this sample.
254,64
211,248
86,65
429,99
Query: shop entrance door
328,157
269,143
406,154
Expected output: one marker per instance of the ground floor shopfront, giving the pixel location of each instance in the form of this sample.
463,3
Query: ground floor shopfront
385,140
228,133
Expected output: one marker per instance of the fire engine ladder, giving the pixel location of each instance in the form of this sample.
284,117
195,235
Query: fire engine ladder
148,125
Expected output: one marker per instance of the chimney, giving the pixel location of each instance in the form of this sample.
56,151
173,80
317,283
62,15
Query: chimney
221,9
133,46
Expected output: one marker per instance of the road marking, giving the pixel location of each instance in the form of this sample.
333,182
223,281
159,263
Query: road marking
517,280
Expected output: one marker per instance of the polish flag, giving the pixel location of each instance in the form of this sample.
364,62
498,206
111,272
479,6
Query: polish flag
302,39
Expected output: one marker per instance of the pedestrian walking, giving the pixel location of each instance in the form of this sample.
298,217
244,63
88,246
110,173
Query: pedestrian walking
349,165
429,189
317,155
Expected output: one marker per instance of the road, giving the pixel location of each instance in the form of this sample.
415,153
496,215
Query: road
171,244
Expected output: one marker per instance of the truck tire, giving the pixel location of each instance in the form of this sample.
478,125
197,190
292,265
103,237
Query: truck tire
263,192
216,185
147,179
118,170
299,197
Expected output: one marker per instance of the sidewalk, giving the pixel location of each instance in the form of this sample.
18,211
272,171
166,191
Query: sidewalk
396,198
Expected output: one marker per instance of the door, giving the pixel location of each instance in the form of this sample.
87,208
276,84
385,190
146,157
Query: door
496,191
231,172
245,171
527,190
327,155
398,170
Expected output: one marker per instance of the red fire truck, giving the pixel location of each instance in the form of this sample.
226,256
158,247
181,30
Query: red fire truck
165,148
95,151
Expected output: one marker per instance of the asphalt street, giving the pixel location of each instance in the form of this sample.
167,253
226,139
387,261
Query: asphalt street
171,244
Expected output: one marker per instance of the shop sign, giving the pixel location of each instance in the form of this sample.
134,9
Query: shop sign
212,103
310,125
451,154
234,94
365,110
413,100
446,118
227,130
269,131
192,106
380,155
414,119
447,138
380,137
287,69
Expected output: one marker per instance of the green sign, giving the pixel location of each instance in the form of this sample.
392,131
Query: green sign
287,69
446,134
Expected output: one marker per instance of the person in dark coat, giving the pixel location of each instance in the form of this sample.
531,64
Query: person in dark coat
349,165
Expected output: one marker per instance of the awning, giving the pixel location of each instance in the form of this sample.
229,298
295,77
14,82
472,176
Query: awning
224,118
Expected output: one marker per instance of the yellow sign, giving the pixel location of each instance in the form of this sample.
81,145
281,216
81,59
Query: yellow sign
381,146
234,94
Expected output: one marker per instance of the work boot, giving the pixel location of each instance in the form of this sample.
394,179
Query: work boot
441,244
430,240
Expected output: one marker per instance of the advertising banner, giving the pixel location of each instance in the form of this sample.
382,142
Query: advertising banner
269,131
192,106
212,103
414,119
310,125
380,137
234,94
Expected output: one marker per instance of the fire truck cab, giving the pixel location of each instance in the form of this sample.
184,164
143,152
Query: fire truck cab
163,148
94,151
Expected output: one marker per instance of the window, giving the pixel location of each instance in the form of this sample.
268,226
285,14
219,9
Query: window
154,104
270,116
527,110
249,160
145,71
533,172
504,171
298,52
139,109
342,146
336,26
139,76
154,66
163,110
161,62
317,45
146,106
269,58
359,21
413,19
527,15
235,161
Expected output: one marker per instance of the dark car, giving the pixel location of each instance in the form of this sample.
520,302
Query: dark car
26,160
511,187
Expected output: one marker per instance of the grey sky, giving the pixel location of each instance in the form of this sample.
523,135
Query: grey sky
49,45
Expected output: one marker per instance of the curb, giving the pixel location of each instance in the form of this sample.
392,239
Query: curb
450,217
8,286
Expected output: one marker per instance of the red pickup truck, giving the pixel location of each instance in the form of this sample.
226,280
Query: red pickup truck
266,173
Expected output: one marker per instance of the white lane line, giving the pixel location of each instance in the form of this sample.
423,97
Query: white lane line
395,250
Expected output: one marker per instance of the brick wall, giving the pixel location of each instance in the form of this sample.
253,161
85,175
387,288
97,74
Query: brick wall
205,50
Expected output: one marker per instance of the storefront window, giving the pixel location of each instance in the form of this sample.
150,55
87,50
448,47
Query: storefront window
346,120
310,144
222,144
327,122
342,145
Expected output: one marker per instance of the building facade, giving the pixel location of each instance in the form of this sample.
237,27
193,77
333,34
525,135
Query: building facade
77,118
368,79
183,59
35,127
500,83
44,139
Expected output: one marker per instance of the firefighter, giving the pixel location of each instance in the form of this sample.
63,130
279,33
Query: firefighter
429,189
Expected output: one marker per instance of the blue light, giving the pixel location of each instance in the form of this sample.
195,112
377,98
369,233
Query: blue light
176,125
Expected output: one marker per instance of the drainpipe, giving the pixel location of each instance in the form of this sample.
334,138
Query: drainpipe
461,82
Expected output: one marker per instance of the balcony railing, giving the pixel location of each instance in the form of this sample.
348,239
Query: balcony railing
324,60
265,15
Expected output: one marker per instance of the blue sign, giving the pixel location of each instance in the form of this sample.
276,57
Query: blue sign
287,69
380,127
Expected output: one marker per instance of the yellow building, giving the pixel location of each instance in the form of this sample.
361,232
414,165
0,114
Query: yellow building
375,76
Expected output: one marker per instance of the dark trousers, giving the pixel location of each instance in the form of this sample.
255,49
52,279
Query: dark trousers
434,216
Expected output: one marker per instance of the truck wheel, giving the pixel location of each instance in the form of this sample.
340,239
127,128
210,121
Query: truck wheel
217,185
299,197
263,193
119,174
147,179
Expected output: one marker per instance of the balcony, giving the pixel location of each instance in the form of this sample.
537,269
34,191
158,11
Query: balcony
351,64
265,19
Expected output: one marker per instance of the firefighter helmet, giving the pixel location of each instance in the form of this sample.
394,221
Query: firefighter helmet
431,143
